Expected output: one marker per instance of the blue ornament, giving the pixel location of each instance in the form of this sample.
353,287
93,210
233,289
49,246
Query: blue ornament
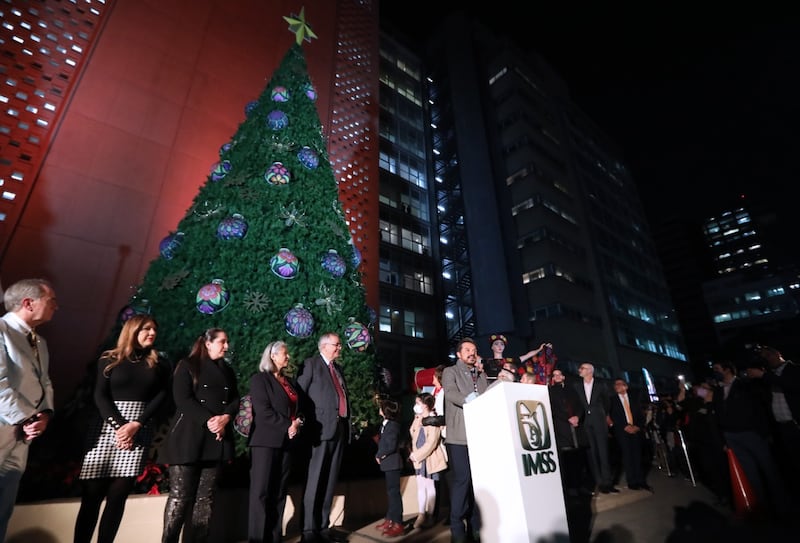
333,264
169,245
250,107
299,322
225,148
277,120
232,227
280,94
308,157
220,170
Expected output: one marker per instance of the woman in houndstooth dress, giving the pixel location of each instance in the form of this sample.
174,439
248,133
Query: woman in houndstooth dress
131,387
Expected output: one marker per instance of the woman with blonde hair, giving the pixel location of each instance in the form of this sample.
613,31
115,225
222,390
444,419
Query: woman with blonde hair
130,389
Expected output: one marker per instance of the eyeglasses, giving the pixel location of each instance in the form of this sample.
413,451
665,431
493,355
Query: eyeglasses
334,344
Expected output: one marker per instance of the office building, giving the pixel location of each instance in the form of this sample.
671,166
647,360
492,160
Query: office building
542,233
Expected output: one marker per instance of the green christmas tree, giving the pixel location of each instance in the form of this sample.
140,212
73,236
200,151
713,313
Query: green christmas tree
264,252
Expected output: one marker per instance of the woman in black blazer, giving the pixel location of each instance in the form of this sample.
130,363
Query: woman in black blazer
276,422
200,438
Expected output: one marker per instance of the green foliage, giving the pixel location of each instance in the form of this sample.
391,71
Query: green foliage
304,216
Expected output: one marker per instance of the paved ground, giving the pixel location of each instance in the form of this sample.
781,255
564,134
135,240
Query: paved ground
677,512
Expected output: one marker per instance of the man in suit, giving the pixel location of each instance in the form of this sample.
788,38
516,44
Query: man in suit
328,426
462,383
783,379
594,397
628,424
565,406
26,393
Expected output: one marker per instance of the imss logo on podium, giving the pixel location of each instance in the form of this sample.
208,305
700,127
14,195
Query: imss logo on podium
534,435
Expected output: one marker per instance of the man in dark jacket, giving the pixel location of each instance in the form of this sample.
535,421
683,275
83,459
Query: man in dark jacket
328,427
783,379
571,441
742,416
628,426
595,400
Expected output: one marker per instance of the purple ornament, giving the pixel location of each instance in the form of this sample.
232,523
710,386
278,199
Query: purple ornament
277,120
133,309
225,148
213,297
310,91
277,174
280,94
284,264
308,157
250,107
220,170
299,322
356,336
334,264
169,245
232,227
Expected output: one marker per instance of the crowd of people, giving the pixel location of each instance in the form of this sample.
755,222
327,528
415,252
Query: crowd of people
601,431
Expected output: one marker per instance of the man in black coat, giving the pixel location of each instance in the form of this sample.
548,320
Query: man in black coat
628,425
328,427
594,396
565,406
783,379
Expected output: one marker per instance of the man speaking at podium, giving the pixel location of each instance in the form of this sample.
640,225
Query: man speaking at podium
462,383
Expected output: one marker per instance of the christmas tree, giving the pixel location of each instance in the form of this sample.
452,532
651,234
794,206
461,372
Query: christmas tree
264,251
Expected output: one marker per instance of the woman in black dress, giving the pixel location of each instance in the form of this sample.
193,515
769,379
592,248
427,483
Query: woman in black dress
276,422
130,388
200,437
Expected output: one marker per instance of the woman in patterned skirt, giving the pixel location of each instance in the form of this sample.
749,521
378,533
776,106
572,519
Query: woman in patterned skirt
130,389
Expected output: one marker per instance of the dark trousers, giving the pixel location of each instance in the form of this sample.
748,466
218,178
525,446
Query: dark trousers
394,498
573,466
599,463
115,491
269,480
323,472
787,441
462,498
190,502
630,446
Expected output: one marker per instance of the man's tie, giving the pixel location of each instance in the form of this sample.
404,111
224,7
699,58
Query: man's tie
34,342
339,390
626,404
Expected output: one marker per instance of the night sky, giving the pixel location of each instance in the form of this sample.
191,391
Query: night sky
703,104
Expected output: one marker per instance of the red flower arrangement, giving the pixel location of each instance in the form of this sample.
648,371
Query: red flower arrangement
153,480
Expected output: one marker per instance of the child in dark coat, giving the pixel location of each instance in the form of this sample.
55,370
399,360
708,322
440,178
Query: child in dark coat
391,463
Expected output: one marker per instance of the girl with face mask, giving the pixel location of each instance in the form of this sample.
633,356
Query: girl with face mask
428,457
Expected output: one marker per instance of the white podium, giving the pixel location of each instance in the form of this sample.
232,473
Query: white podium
514,461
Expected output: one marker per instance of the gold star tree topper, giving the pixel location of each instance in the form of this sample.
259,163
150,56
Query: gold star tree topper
298,25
